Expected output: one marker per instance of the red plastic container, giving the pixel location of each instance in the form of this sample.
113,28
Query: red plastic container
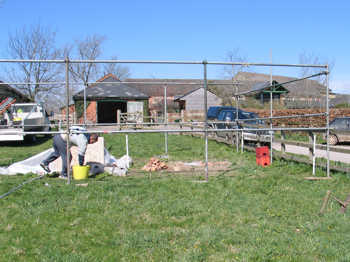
262,156
262,151
263,161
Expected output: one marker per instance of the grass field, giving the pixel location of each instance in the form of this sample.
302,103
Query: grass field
248,213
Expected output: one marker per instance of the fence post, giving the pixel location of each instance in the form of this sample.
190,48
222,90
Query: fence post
118,116
259,139
311,148
283,145
312,151
127,144
118,119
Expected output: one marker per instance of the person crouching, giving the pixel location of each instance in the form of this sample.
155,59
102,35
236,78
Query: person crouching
60,149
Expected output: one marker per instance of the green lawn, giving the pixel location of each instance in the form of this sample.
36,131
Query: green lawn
249,213
301,136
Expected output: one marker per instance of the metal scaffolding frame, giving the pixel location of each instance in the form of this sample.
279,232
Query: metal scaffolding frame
200,126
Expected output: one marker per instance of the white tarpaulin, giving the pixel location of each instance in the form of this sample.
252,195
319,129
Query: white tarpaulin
32,165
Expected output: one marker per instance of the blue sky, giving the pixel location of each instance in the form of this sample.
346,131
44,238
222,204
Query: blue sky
196,30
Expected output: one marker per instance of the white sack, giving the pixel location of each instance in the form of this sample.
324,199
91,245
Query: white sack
32,164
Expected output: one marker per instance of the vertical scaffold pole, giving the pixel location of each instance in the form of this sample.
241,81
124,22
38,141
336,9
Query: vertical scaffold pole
127,145
67,119
165,120
271,140
271,106
327,118
237,108
314,155
84,105
206,118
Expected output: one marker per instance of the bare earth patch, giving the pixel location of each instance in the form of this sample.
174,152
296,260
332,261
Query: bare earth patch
178,166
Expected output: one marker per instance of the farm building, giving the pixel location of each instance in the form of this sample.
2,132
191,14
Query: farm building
182,94
109,95
300,94
261,91
106,97
254,88
193,100
185,96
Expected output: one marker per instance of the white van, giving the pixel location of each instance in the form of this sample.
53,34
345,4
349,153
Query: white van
23,117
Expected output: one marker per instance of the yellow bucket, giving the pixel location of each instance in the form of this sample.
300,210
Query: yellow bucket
80,172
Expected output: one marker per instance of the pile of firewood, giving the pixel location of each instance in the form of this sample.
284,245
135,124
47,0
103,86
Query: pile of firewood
154,164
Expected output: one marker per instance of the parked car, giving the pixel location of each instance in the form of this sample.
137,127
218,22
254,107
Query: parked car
339,130
228,120
214,111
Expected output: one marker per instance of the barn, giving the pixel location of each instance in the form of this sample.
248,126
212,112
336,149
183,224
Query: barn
182,95
106,97
193,100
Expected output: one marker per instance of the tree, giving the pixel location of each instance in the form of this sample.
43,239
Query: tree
230,71
89,48
234,55
120,71
311,58
34,43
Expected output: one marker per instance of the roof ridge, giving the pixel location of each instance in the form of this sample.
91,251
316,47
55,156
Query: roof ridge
262,74
164,79
107,76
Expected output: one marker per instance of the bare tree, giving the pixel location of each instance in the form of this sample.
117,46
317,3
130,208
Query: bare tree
311,58
34,43
229,72
119,71
89,48
234,56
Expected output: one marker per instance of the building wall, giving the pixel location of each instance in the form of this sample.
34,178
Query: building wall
157,103
195,100
91,113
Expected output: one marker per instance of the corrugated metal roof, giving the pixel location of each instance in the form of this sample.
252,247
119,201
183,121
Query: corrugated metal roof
180,97
155,87
260,86
112,88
